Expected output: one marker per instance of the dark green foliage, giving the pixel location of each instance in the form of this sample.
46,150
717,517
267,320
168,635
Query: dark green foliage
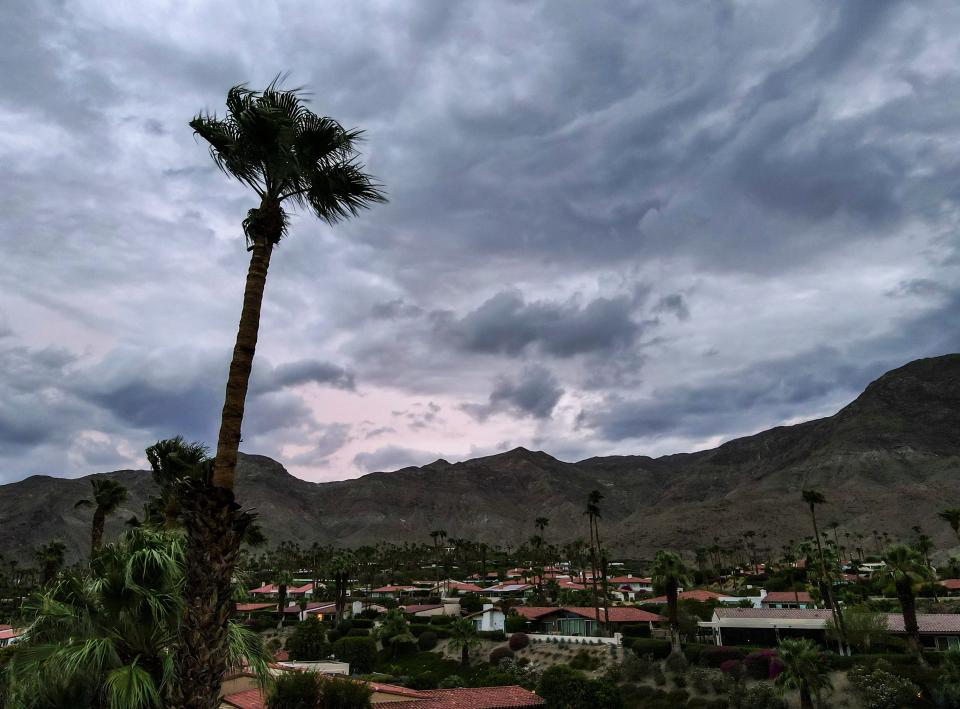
295,690
716,655
566,688
518,641
515,623
640,630
676,663
427,640
334,635
585,660
361,623
358,633
441,619
880,689
308,641
500,653
425,680
497,635
361,653
660,649
762,696
344,693
471,603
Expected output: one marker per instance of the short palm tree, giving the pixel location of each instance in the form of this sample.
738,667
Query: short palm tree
814,498
951,516
107,497
670,573
50,558
804,670
172,461
394,631
463,637
283,579
905,568
108,638
290,157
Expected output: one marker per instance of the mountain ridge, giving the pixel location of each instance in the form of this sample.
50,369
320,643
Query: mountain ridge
883,461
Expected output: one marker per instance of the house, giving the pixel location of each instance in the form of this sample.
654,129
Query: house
304,590
767,626
9,635
460,587
424,611
951,585
237,695
508,588
698,594
390,591
267,589
249,608
320,610
489,619
786,599
581,621
629,586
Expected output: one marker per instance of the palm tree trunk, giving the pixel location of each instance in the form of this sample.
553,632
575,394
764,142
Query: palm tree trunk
806,701
674,616
281,602
593,572
215,524
238,379
465,656
828,585
908,607
96,530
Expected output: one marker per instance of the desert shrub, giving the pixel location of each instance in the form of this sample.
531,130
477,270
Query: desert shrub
497,635
676,663
585,660
427,641
361,653
636,669
659,649
718,703
716,655
718,681
308,640
500,653
732,668
518,641
693,652
699,680
762,696
880,689
450,682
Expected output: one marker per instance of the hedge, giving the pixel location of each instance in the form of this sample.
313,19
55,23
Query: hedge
358,633
361,653
649,646
638,630
361,623
427,640
497,635
441,619
718,654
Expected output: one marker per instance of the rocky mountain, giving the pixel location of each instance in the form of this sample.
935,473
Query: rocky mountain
887,461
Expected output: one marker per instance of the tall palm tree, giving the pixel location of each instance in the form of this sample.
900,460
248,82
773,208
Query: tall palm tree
593,514
107,496
282,578
463,637
803,670
172,461
50,557
290,157
814,498
951,516
341,566
905,567
670,573
437,535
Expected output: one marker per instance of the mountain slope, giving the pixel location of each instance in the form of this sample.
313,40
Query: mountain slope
887,461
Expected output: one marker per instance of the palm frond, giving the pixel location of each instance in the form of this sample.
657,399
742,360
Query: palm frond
131,687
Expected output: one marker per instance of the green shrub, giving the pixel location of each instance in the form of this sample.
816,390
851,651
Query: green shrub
441,619
659,649
879,689
676,663
362,623
518,641
716,655
424,680
450,682
500,653
361,653
639,630
699,679
427,641
497,635
343,693
308,640
515,623
762,696
358,633
417,628
659,678
585,660
294,690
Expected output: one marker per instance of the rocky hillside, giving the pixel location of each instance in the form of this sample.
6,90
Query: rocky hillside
887,461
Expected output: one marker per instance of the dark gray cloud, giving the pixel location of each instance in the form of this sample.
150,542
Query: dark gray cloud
644,248
534,392
507,324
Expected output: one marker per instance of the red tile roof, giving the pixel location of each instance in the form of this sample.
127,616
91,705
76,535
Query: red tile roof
247,699
250,607
10,633
465,587
511,697
312,607
394,589
420,608
785,613
697,594
787,597
630,579
301,589
618,614
928,622
951,584
266,588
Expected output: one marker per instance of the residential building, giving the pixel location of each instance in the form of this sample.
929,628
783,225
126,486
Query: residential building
699,594
629,587
390,591
787,599
581,621
9,635
489,619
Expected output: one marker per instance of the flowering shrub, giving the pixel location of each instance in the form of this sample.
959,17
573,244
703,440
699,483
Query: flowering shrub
733,668
879,689
758,664
716,655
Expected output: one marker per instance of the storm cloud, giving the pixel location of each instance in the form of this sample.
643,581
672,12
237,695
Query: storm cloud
615,228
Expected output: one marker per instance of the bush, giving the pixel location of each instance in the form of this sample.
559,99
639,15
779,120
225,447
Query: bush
500,653
515,623
471,603
518,641
441,619
362,622
762,696
758,664
361,653
716,655
879,689
417,628
427,641
450,682
676,663
424,680
334,635
639,630
562,686
694,652
358,633
584,660
699,680
497,635
294,690
344,693
659,649
308,640
659,678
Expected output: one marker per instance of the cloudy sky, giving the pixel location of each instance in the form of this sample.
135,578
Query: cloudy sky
620,227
